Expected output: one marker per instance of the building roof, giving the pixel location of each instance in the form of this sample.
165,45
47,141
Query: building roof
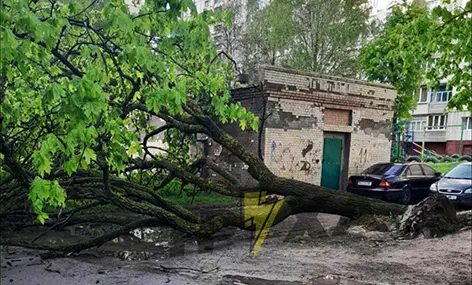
325,76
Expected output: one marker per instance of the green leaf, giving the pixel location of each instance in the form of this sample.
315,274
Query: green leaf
89,155
42,217
42,162
255,124
242,124
70,166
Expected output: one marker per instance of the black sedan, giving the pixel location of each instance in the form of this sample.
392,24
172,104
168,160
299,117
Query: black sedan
403,183
456,185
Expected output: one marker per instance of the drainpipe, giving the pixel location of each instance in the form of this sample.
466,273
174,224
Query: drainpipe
462,134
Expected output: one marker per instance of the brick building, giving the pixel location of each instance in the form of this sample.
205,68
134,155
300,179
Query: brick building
319,129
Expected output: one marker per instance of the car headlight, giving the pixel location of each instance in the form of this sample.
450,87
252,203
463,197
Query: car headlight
468,191
433,187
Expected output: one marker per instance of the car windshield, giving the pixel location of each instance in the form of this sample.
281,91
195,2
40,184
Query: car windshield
384,169
460,172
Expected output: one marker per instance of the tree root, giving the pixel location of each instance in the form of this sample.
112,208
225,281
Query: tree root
435,216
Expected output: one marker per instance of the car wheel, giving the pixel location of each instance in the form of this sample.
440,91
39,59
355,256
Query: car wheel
405,198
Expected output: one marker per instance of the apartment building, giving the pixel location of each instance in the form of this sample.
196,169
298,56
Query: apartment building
440,130
228,39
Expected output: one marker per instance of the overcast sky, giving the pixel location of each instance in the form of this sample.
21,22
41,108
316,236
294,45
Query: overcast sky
382,3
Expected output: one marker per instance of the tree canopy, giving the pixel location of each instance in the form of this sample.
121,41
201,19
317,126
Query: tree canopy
412,37
313,35
79,83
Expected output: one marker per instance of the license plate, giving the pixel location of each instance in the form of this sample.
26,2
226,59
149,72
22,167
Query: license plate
364,183
452,197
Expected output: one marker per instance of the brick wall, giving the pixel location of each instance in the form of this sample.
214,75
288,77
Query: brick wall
370,138
296,80
252,99
301,107
454,147
293,139
337,117
330,104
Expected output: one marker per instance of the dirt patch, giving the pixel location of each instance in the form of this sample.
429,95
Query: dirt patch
341,259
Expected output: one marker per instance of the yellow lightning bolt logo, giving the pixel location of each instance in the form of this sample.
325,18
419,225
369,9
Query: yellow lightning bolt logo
260,215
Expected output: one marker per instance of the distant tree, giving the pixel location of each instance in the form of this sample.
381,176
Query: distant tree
268,35
313,35
396,55
452,40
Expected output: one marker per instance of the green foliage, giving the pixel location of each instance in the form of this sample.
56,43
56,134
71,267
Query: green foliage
409,39
453,42
397,55
73,74
308,34
45,193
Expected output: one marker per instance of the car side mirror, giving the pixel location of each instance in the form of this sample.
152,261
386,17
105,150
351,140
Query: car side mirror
439,174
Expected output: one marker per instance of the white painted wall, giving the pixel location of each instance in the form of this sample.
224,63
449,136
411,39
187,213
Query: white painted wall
453,133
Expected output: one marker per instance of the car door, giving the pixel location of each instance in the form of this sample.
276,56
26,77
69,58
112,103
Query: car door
416,180
430,177
430,174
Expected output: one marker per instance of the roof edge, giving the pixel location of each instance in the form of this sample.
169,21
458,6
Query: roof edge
319,75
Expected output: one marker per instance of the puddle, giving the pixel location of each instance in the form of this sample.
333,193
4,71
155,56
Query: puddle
325,280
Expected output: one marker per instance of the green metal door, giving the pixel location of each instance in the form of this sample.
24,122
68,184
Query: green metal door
331,166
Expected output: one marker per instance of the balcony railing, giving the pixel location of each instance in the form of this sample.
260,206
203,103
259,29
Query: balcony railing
430,136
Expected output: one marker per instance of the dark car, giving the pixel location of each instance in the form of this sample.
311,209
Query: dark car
403,183
456,185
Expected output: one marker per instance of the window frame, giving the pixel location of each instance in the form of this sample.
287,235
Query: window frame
417,125
423,91
434,122
429,168
467,123
409,173
439,95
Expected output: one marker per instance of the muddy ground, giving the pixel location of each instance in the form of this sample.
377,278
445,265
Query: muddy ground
301,250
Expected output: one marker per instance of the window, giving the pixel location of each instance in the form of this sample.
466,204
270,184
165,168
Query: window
437,122
428,171
423,94
415,170
443,94
384,169
417,125
467,122
207,3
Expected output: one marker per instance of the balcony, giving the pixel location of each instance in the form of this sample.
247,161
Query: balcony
431,136
438,101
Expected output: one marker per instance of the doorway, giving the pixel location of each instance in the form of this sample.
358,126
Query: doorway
335,162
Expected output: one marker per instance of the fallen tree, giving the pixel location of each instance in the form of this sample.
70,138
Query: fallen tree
79,88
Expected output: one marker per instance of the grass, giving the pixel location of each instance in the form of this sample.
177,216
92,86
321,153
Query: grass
200,198
443,167
185,197
174,192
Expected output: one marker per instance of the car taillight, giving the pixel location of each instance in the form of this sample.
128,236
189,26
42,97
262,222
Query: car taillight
384,184
349,181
